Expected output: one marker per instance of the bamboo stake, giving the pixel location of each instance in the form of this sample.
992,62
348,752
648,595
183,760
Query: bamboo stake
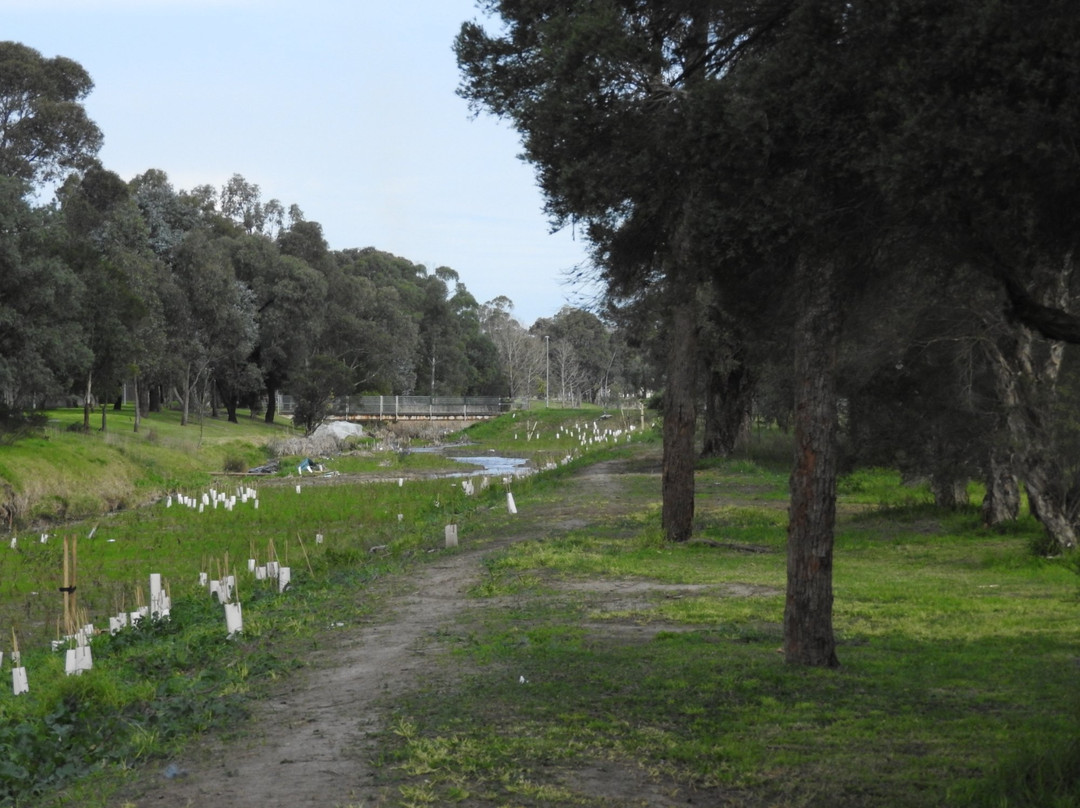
232,577
66,589
308,560
74,572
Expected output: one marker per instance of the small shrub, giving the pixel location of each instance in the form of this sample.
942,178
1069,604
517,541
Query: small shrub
1044,545
235,463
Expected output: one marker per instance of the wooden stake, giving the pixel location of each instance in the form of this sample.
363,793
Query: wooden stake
308,560
65,587
74,573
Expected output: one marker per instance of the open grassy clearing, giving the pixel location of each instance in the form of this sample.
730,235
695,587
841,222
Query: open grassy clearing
651,672
659,665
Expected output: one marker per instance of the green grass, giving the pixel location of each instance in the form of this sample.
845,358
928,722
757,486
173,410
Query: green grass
391,463
959,652
656,666
63,475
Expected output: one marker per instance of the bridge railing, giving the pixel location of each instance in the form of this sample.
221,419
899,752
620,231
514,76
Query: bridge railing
397,407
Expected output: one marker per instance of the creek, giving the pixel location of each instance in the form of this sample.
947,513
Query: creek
489,465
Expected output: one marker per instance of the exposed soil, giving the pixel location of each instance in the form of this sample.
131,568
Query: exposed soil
314,742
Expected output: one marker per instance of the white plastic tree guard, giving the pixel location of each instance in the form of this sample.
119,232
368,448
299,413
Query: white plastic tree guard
19,683
234,619
77,660
451,536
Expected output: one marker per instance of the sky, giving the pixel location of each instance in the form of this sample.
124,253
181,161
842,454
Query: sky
346,108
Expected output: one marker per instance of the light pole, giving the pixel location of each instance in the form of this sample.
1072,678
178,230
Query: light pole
547,371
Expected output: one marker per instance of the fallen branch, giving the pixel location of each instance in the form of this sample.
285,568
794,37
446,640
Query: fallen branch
728,545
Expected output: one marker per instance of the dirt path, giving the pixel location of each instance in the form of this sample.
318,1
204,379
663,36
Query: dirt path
312,743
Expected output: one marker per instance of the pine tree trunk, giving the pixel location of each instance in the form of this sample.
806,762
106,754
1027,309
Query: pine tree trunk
808,629
680,416
727,410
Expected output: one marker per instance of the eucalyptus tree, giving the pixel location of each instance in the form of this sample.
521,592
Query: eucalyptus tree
219,322
241,202
449,333
289,301
108,247
367,325
45,132
41,345
518,350
169,214
585,348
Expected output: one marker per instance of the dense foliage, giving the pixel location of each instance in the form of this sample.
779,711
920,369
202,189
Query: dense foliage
764,177
217,298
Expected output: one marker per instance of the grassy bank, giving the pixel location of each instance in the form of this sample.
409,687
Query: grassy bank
598,666
62,474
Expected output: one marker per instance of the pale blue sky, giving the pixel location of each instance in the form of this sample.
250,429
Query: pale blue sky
344,107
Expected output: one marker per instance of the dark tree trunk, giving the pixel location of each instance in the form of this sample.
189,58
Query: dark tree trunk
271,402
808,629
231,402
154,405
679,422
728,396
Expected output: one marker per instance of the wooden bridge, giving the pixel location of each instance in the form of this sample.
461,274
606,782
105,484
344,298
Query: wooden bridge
412,408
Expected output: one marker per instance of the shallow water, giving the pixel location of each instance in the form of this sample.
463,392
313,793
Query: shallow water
489,465
492,465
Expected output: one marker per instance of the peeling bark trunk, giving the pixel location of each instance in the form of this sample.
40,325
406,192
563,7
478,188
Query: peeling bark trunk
680,414
808,629
86,401
1002,501
1025,375
138,404
949,492
186,403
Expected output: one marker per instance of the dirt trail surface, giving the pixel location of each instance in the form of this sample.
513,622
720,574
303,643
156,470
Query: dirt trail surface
314,742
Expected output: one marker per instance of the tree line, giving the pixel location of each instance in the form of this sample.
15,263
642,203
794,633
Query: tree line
217,297
860,215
